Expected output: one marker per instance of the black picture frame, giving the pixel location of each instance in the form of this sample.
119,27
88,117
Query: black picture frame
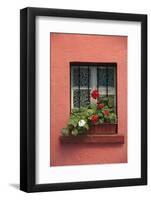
28,99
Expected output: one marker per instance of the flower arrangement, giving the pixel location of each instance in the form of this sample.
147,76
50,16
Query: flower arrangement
83,119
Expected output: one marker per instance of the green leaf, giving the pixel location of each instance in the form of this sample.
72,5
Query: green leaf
101,121
65,131
86,126
73,122
100,114
74,132
75,110
81,130
90,112
112,117
70,127
93,107
106,107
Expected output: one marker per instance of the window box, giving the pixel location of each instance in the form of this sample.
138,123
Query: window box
103,129
93,139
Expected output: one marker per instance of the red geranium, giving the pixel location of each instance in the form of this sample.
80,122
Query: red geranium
94,118
101,105
106,112
95,94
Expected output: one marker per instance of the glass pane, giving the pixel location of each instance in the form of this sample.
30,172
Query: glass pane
111,76
76,98
102,77
75,77
84,77
84,98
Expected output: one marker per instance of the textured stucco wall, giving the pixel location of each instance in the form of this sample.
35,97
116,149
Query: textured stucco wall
65,48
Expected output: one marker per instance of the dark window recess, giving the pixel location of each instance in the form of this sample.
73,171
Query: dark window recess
88,76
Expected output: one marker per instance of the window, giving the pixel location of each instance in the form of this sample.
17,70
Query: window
88,76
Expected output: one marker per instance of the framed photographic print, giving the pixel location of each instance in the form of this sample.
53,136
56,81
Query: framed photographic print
83,99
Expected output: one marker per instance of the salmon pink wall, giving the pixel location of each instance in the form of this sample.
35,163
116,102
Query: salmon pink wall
65,48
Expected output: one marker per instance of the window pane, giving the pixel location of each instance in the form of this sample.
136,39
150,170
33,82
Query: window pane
76,98
102,77
83,74
75,76
84,98
84,77
111,76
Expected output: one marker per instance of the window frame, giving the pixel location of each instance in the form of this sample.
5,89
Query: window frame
91,64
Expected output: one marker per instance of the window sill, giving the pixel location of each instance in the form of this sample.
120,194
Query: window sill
94,139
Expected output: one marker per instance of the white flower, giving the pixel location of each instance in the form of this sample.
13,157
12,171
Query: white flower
82,123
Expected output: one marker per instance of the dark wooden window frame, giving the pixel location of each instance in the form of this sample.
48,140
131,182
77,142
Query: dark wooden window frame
94,64
91,139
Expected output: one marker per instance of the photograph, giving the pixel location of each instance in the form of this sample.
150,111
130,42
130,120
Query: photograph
88,99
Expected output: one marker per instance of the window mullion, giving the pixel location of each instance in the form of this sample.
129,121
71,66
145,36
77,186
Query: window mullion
88,84
107,81
71,74
97,71
93,77
79,84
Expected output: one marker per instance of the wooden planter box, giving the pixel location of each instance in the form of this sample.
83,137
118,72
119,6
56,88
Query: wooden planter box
103,129
93,139
98,134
